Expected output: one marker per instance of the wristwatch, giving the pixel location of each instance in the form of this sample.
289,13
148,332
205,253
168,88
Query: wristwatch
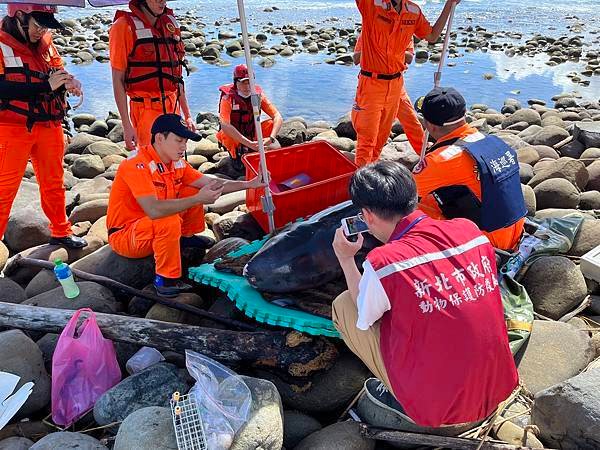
271,139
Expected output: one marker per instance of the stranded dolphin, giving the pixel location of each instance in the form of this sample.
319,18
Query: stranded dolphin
300,257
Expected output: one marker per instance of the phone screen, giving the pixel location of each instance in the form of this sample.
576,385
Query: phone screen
354,225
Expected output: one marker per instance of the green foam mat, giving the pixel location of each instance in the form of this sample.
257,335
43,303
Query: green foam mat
253,304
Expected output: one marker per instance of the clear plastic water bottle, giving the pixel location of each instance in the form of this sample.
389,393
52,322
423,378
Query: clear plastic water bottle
65,277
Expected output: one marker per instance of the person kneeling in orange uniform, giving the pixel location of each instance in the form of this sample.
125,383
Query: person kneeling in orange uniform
467,174
157,202
238,130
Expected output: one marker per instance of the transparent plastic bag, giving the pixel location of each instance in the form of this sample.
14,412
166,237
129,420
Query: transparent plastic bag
223,399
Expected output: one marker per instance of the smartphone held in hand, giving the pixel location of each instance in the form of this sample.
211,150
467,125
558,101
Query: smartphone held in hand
353,226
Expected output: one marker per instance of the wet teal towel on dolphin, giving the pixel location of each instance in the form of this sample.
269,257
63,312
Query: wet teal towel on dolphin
252,303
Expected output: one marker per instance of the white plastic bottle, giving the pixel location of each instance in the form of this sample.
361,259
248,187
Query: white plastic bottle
65,277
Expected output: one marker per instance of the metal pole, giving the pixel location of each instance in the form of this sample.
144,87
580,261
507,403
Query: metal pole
437,76
267,199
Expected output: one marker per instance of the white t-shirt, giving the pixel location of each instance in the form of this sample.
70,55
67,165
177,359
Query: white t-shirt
372,300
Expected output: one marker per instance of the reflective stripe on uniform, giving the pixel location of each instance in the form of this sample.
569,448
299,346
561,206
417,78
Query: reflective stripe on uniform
430,257
141,31
9,56
179,164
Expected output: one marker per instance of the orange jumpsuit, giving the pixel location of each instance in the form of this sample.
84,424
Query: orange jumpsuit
386,35
457,167
131,232
406,113
42,142
147,105
225,108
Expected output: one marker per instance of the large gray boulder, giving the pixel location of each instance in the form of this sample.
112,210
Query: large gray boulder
11,291
296,426
133,272
150,387
587,238
47,252
19,355
529,197
339,436
556,193
16,443
568,168
80,141
228,202
345,378
550,135
98,185
568,414
530,116
104,148
588,133
555,352
26,228
555,284
594,176
344,127
67,440
237,224
264,428
291,133
91,295
87,166
147,428
89,211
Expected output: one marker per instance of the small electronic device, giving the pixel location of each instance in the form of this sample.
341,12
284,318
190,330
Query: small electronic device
354,225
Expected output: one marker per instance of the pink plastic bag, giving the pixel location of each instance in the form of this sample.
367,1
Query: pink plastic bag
84,366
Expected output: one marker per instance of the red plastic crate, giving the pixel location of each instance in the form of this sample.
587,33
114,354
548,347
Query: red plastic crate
329,170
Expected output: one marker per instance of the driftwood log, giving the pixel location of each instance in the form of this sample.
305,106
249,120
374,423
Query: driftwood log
293,353
401,437
115,285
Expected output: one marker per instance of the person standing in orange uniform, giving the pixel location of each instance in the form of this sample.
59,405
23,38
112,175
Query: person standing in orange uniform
388,27
147,60
467,174
406,114
156,203
33,84
238,130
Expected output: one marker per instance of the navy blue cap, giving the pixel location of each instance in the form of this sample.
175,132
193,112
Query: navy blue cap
173,123
443,106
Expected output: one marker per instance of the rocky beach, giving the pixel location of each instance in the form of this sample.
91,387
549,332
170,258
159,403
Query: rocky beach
557,140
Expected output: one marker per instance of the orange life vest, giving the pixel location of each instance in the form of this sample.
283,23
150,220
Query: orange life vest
157,59
26,64
242,117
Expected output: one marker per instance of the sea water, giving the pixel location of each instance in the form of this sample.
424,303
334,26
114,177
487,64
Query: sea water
304,85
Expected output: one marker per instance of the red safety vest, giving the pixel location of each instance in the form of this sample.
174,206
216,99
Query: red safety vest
156,61
242,117
30,64
444,341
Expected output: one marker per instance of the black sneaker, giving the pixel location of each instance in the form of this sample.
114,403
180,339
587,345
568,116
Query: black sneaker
69,241
166,287
379,394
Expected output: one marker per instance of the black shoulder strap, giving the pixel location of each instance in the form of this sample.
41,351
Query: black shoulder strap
441,144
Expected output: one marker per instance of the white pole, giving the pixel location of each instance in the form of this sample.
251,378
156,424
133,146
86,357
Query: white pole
437,76
267,200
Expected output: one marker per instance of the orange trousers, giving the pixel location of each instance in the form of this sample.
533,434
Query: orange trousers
374,110
160,237
45,146
231,144
409,120
143,114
